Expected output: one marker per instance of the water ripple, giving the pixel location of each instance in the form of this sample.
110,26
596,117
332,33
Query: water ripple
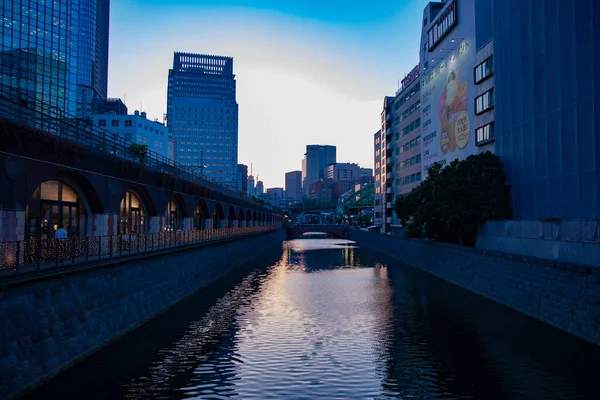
326,322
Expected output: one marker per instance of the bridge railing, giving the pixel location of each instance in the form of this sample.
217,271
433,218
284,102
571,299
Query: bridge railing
33,257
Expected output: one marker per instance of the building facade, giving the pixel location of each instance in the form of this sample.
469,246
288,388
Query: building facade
316,159
108,106
342,171
242,178
407,123
365,172
251,186
484,101
39,53
260,187
202,114
324,191
136,128
448,90
293,185
547,105
92,67
387,164
378,192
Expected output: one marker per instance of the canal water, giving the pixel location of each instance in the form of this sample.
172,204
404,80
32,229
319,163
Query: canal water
325,319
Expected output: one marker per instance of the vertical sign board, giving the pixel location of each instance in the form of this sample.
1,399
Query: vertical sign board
448,95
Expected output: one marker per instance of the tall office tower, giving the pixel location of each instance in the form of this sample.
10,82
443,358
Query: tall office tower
242,178
250,186
202,115
293,185
316,159
260,187
39,53
92,66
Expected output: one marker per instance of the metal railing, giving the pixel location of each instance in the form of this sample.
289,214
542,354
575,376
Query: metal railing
21,260
21,108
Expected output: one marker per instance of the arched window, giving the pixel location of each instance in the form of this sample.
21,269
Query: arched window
173,217
54,203
131,215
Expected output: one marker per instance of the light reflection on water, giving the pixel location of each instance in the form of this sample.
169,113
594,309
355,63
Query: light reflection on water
326,321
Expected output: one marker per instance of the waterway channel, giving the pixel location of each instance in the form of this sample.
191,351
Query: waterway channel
326,319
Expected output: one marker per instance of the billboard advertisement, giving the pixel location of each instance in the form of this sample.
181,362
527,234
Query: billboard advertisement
447,102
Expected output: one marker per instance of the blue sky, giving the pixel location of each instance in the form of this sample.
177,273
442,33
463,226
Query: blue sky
308,72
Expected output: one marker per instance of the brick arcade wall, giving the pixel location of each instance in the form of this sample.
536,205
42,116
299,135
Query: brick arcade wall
565,296
49,325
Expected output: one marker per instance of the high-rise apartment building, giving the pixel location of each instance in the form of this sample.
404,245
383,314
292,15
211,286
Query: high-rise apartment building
316,159
293,185
407,124
387,164
39,53
378,192
92,66
202,114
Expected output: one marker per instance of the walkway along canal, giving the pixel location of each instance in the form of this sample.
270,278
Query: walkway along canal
326,319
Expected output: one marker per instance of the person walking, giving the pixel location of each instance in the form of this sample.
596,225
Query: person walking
60,233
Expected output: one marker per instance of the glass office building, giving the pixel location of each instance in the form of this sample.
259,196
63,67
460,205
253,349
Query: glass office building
39,54
92,81
202,115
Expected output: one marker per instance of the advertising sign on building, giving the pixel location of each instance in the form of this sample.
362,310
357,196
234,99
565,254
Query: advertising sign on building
447,97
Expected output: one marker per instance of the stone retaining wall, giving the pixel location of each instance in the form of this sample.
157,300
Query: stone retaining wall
47,326
563,295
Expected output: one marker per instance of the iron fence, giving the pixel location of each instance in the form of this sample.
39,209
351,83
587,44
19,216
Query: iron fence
36,256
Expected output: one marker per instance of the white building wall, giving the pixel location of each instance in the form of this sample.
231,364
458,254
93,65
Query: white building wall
136,128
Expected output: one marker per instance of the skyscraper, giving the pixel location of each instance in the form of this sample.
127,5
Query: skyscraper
39,53
242,178
92,66
202,114
293,185
260,187
316,159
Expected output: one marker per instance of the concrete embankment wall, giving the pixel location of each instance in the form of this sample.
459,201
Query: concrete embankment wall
47,326
566,296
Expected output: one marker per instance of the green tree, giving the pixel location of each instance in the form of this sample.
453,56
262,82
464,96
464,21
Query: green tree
139,151
453,201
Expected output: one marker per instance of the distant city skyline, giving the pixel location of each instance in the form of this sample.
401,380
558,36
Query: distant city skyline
306,72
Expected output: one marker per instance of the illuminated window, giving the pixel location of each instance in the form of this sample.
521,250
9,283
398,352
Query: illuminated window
484,102
485,134
484,70
442,26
